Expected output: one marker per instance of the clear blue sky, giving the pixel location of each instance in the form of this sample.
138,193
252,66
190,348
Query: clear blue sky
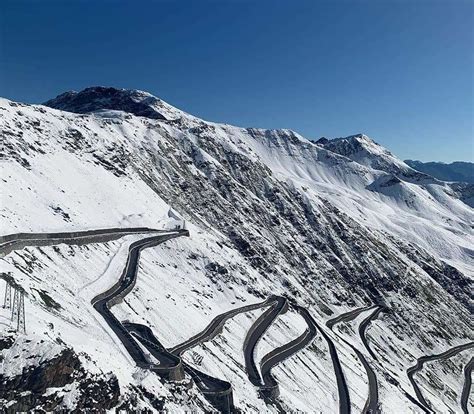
399,71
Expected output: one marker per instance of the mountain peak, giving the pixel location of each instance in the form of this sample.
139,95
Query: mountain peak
354,144
98,98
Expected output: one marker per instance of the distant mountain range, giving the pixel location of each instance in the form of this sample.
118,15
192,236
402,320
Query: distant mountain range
455,171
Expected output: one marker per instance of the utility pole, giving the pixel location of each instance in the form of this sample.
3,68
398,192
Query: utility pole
7,300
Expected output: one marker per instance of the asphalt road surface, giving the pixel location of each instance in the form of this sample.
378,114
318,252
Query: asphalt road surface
427,358
217,391
145,335
18,241
362,333
363,328
215,327
104,301
348,316
285,351
342,389
466,390
256,331
372,402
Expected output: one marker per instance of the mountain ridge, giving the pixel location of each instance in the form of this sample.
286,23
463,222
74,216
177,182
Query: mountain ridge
461,171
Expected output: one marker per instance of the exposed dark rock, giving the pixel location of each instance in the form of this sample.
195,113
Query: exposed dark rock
25,392
99,97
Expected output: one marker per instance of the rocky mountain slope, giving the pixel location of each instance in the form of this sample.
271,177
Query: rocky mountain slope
331,225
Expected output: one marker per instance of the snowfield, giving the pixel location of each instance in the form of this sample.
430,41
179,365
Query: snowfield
331,225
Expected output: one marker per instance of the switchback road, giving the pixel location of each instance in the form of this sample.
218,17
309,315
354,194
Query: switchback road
362,333
215,327
427,358
363,328
342,389
466,390
170,366
19,241
372,402
348,316
270,386
256,331
104,301
217,391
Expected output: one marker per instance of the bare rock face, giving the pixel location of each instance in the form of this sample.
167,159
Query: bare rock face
99,97
29,390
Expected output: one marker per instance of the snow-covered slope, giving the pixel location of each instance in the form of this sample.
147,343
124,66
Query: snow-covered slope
331,225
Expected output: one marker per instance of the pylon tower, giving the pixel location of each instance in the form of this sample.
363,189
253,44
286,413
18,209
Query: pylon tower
15,305
7,300
18,311
20,324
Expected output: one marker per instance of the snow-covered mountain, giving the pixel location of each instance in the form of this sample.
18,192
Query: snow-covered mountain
332,225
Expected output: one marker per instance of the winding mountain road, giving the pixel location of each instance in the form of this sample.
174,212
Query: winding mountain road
363,328
256,331
273,358
215,327
362,333
170,366
217,391
348,316
342,389
104,301
427,358
466,389
372,403
18,241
